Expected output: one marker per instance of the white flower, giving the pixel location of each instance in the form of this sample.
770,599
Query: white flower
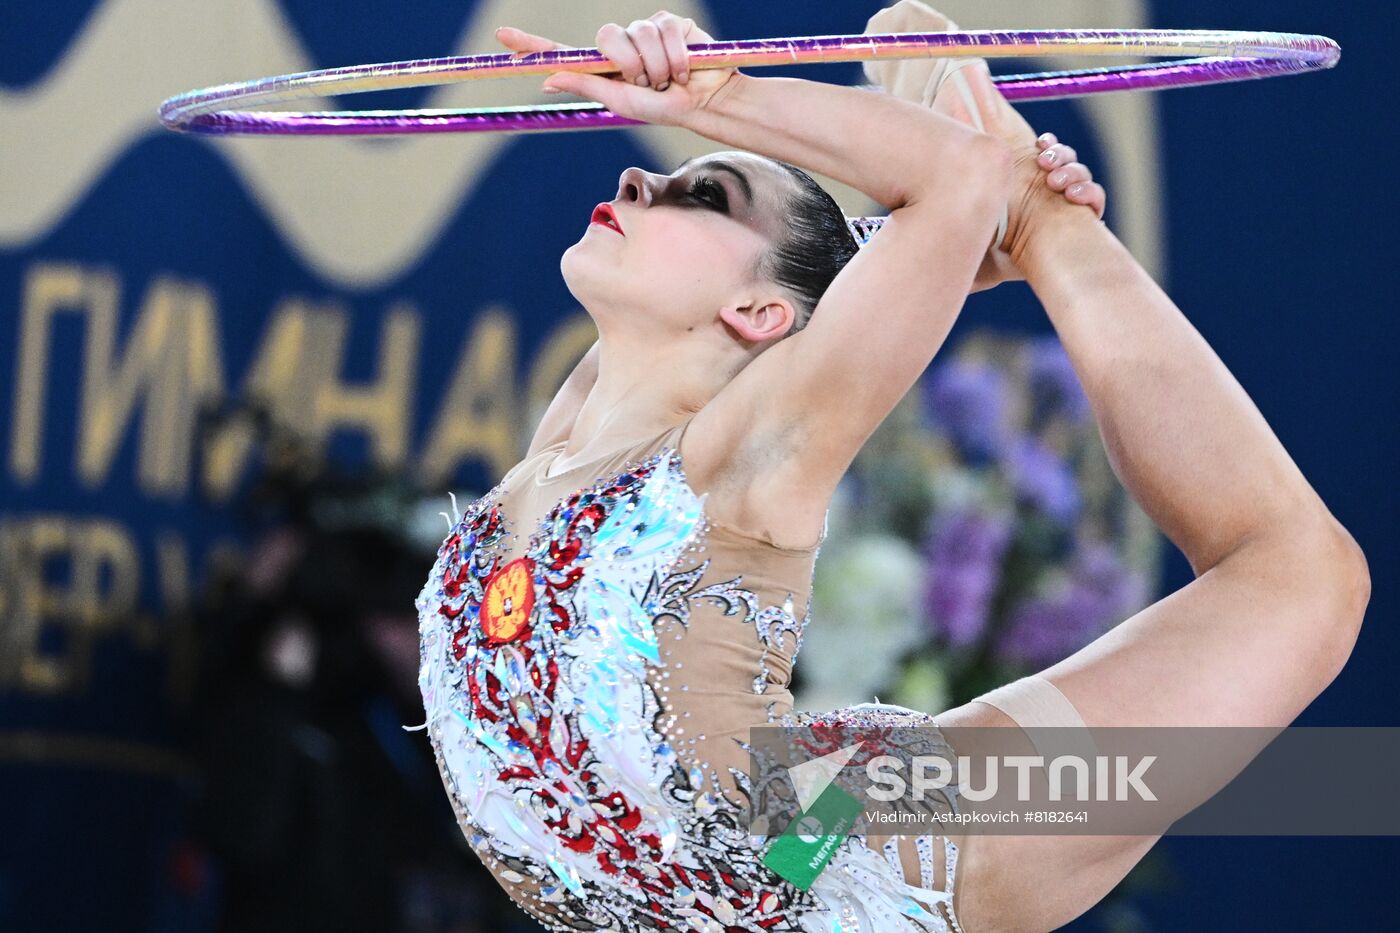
957,488
865,615
922,686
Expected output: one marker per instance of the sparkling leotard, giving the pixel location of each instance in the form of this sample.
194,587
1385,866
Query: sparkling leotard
588,677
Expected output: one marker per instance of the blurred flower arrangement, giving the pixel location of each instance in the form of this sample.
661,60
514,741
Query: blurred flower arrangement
979,536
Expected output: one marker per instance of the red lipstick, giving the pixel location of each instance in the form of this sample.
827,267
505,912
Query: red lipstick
604,214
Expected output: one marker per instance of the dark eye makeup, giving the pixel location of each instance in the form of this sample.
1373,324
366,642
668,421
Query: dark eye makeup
710,192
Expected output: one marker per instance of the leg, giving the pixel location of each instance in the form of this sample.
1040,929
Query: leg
1280,588
1031,883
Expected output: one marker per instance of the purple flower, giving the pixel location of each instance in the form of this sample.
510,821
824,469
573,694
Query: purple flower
1055,387
1100,594
1044,480
1040,632
967,402
964,549
1099,569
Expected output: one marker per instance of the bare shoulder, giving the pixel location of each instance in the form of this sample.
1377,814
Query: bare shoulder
755,455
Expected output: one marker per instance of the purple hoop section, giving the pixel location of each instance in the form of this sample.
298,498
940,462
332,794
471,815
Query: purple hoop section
1225,56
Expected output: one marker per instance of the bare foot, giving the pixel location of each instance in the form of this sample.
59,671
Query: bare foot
1043,166
911,79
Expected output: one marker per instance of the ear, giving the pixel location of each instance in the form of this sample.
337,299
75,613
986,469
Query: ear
761,320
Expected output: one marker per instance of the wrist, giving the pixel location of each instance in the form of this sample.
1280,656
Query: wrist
1050,229
718,106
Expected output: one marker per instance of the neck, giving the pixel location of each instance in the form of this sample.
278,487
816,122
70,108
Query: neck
644,390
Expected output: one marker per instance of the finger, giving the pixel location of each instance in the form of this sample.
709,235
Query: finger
673,41
1058,154
1045,140
1089,193
614,43
646,36
616,95
1055,155
522,42
1067,175
693,34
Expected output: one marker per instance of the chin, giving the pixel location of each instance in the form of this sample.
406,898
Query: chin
580,274
589,281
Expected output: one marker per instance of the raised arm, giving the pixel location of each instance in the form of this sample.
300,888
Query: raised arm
816,396
880,322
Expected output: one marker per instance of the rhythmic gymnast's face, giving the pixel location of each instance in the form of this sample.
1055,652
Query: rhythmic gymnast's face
687,252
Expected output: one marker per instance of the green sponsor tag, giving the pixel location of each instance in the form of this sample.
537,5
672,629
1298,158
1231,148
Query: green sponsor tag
809,842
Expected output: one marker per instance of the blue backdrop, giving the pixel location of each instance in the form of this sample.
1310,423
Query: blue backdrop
400,301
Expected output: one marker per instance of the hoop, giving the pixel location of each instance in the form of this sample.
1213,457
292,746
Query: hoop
1225,56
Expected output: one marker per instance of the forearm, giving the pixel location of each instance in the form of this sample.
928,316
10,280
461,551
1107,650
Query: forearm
1180,431
889,149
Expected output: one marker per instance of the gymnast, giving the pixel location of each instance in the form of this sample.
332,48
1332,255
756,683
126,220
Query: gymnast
601,629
